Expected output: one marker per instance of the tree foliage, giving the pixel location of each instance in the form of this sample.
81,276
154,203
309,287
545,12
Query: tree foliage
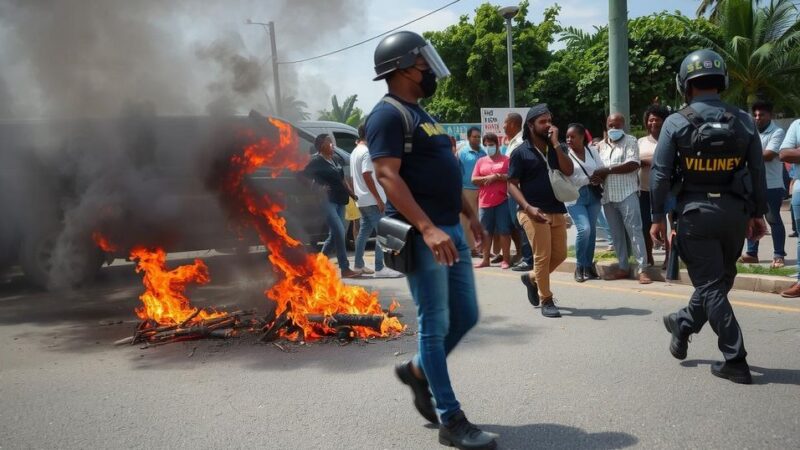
347,112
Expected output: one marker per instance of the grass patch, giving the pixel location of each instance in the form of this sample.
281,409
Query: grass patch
758,269
599,255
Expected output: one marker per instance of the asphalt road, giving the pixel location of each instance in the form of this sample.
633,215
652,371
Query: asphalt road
600,377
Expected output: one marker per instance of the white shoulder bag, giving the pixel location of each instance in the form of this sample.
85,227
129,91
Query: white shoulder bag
563,188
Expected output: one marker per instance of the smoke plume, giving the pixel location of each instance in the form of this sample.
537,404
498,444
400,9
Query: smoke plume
110,84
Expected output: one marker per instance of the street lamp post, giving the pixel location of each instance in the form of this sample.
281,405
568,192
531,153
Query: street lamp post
508,13
270,28
619,92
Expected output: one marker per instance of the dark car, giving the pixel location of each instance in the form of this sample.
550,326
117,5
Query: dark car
140,180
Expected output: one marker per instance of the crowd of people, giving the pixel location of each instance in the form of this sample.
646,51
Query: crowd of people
467,205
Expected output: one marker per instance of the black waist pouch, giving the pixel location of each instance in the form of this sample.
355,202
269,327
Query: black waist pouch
395,237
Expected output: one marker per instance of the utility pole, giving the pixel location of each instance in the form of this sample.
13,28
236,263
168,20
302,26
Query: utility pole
270,28
277,81
508,13
618,80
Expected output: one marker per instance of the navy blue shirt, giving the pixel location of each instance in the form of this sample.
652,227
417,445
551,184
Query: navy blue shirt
430,170
529,167
329,174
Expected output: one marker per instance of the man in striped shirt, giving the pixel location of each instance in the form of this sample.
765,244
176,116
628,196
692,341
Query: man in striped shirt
620,155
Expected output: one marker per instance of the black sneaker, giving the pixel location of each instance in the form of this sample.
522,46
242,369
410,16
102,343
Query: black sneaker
738,372
550,310
590,273
533,290
522,266
579,277
462,434
423,400
678,345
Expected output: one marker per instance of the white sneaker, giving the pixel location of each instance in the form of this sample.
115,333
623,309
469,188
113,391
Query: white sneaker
387,273
364,270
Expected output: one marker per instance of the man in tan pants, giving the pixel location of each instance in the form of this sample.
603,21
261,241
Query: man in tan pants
540,213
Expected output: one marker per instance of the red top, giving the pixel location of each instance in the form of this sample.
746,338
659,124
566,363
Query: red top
493,194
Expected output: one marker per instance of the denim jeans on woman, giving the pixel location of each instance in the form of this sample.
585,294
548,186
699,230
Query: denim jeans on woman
584,214
334,215
370,216
447,307
776,227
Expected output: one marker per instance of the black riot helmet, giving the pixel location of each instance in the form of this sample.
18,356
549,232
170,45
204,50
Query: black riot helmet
400,51
702,63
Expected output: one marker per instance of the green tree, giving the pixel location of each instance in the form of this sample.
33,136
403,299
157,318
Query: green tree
475,52
761,47
347,112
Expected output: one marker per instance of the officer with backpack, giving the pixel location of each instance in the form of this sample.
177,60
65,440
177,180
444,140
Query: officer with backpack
415,165
709,155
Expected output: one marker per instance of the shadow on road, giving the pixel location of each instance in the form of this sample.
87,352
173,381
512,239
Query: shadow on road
601,314
761,375
553,436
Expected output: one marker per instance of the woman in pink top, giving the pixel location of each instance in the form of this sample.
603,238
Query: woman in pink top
491,177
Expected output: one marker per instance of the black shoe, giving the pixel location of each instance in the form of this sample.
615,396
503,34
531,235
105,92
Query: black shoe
579,277
550,310
522,266
462,434
590,273
678,345
533,290
737,372
793,234
422,396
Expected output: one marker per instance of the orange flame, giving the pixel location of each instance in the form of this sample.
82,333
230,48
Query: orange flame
164,299
309,284
103,242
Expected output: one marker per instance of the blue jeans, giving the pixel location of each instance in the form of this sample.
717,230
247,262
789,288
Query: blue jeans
334,214
447,307
625,220
584,214
524,243
602,224
774,201
370,215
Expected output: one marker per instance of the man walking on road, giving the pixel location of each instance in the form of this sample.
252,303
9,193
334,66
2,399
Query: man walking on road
771,139
512,126
414,163
371,203
715,152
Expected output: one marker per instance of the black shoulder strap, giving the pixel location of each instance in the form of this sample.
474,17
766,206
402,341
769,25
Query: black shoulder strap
408,122
692,116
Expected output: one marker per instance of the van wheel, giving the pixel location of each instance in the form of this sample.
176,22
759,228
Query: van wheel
80,265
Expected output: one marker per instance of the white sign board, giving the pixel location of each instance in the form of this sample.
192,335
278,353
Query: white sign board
492,121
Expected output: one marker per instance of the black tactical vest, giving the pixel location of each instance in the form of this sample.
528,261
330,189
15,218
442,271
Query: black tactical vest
711,150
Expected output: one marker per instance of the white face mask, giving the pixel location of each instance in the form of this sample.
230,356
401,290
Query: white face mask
491,150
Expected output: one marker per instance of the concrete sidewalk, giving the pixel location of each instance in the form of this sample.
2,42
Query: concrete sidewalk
747,282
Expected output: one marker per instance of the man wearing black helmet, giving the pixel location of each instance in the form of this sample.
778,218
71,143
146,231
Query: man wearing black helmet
710,156
414,163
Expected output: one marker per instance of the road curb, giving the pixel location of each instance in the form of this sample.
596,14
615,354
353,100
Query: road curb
745,282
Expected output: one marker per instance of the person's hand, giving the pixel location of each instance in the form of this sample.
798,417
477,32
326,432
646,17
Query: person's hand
553,135
478,233
381,206
442,246
756,228
354,197
658,231
601,172
536,214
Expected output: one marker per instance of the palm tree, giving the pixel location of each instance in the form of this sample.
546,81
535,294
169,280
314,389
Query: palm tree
346,113
573,36
761,47
712,5
293,109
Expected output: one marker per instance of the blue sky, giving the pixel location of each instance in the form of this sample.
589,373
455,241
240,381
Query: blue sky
350,72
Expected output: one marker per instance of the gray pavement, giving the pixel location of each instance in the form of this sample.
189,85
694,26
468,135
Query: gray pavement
600,377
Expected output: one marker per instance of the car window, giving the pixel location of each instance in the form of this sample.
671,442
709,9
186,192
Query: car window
345,141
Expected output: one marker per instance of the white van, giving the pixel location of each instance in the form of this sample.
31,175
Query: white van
344,136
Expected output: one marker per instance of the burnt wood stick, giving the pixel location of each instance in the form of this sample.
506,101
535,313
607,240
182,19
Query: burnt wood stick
189,319
222,333
127,340
224,324
373,321
271,331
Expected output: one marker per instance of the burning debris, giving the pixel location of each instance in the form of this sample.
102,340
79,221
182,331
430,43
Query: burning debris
308,302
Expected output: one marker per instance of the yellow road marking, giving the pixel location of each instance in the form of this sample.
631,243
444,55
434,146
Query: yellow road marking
683,298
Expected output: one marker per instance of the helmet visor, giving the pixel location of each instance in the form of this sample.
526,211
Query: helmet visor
434,61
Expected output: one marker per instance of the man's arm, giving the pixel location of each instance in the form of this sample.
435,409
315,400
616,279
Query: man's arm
388,171
631,163
755,165
663,167
373,190
533,212
773,148
565,165
790,148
